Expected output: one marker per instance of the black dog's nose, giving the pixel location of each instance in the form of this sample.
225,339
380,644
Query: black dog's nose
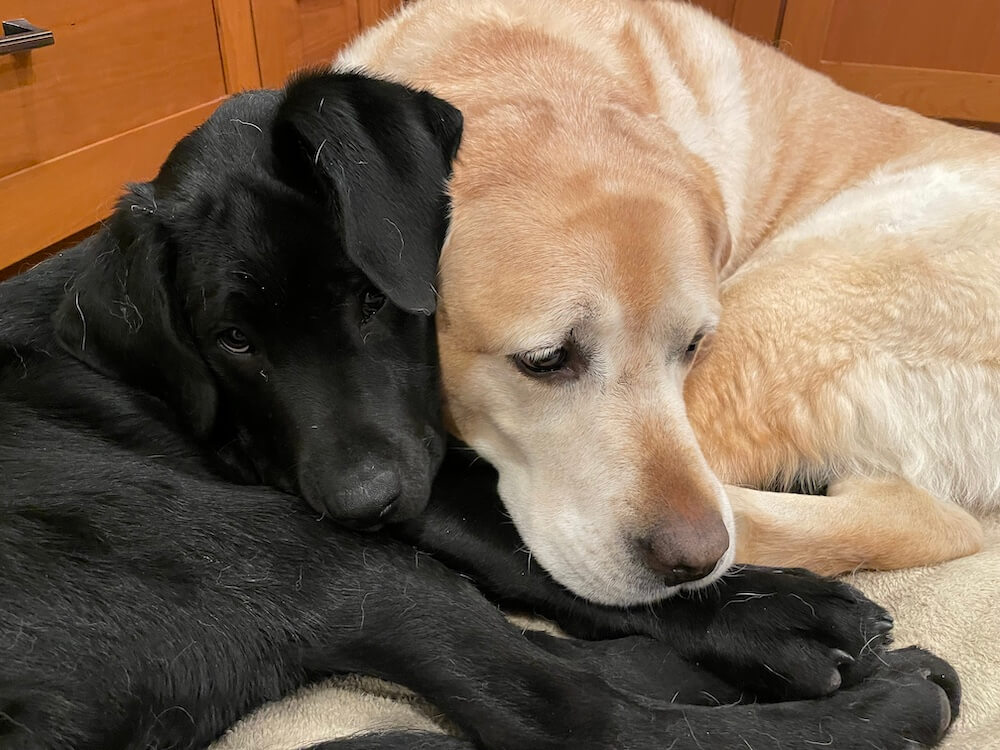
365,497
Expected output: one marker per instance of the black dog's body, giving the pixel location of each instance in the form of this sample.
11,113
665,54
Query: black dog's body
148,600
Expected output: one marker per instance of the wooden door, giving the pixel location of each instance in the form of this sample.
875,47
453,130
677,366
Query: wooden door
938,58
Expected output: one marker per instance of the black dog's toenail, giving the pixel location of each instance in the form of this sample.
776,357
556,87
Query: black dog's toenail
884,624
842,657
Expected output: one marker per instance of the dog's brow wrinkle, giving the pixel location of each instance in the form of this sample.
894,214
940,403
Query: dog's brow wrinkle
244,122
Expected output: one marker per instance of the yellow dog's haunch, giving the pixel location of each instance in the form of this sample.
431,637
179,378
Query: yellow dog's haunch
636,182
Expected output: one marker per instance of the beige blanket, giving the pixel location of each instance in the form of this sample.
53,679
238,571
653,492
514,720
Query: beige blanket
953,609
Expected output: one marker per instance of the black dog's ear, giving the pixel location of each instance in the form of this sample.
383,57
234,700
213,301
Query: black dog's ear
445,122
378,155
122,317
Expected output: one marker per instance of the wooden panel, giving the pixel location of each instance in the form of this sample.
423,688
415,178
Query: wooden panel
114,66
941,59
234,23
370,12
43,204
959,35
292,34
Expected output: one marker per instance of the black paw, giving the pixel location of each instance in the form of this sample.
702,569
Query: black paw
788,634
909,700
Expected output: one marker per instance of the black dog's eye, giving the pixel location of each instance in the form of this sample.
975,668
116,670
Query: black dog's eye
371,302
542,361
234,341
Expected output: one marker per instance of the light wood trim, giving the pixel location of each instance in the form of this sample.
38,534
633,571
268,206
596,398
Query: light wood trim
38,208
760,19
936,93
238,43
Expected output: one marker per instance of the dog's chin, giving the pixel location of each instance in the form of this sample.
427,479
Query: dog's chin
635,585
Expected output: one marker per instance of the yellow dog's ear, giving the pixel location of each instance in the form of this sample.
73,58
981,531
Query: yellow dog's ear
379,156
122,315
716,221
723,245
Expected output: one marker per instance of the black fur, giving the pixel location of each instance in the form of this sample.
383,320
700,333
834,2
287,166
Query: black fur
160,576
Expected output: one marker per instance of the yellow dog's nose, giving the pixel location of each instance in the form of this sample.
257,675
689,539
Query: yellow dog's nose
684,551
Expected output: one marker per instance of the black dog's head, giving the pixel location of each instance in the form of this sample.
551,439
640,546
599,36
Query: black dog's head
274,285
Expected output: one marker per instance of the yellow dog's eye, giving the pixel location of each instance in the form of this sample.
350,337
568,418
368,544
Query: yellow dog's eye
692,348
542,361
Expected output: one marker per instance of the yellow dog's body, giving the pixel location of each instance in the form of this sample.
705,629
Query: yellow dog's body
635,176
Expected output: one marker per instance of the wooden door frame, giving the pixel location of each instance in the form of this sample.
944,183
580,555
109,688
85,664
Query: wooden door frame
234,24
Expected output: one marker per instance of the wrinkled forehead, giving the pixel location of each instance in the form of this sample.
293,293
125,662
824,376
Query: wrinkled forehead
513,280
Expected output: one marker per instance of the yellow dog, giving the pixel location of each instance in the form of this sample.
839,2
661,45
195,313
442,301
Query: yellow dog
684,269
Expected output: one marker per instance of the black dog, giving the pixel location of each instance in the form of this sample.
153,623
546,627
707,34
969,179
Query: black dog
257,318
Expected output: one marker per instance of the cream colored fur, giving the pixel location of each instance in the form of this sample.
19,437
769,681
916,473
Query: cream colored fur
634,173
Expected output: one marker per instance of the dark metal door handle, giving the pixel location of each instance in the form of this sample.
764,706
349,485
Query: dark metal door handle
21,36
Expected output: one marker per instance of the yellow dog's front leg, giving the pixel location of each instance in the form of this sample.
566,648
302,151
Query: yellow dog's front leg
877,524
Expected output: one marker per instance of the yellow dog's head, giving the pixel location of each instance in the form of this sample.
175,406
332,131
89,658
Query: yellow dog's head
578,283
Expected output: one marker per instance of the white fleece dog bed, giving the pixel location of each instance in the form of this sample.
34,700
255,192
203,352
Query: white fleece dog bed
952,609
